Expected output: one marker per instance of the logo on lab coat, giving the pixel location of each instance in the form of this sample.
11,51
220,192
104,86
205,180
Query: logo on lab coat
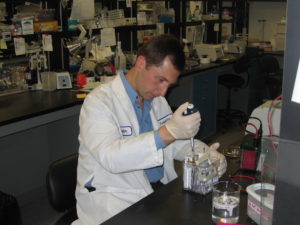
126,130
164,119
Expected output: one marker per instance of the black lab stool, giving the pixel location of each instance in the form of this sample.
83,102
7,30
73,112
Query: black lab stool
233,81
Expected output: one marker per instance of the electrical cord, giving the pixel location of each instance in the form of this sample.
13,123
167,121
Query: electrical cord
260,129
274,148
257,135
267,166
247,177
249,132
256,118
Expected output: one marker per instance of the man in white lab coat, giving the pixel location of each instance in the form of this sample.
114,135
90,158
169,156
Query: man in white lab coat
129,136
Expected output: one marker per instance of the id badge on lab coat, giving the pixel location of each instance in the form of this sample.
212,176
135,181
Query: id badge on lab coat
126,130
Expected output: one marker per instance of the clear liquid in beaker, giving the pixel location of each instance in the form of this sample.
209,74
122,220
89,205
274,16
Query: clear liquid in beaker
225,209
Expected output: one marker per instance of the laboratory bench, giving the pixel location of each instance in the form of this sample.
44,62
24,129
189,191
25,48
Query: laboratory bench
192,67
36,128
172,205
25,105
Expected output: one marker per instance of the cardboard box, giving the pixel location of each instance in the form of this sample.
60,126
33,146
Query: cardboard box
45,26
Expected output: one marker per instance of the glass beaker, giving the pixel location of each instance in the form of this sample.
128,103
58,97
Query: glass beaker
225,202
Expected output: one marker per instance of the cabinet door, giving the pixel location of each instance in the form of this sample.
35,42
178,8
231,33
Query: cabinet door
201,90
205,99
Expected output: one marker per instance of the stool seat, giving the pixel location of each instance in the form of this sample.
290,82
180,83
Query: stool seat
231,80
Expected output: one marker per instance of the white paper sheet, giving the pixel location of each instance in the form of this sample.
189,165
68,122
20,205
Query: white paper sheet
19,43
108,37
82,10
128,3
3,44
47,42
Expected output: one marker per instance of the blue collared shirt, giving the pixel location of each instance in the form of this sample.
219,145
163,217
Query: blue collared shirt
143,115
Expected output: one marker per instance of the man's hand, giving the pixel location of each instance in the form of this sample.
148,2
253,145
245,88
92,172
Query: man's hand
183,127
215,156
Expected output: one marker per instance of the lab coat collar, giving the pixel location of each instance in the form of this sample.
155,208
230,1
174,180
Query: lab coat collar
125,102
127,107
131,92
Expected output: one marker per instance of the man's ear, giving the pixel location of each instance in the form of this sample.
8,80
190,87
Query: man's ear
140,63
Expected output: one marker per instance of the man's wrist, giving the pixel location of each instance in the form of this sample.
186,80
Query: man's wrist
165,135
158,140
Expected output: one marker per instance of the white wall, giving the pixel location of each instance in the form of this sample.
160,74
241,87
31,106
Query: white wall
272,12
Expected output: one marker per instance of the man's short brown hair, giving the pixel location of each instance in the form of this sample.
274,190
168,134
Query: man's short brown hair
159,47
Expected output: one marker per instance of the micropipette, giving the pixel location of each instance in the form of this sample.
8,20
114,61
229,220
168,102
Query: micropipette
190,110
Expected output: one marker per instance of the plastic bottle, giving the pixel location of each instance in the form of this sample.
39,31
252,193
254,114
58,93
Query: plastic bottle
30,76
120,58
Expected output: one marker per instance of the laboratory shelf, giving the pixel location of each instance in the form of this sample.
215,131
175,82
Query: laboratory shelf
195,23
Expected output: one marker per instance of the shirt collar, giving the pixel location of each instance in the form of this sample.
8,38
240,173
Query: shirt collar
133,96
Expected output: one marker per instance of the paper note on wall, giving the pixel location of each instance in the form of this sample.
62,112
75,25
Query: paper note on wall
47,42
27,27
19,43
296,90
108,37
82,10
128,3
3,44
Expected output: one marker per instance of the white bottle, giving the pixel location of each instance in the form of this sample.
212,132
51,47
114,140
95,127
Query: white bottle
120,58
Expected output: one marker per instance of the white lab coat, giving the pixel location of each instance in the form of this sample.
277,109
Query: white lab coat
113,155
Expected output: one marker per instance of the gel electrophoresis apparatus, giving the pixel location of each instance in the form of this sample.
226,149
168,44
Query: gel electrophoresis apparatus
199,173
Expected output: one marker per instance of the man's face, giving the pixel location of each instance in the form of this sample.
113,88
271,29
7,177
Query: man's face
154,81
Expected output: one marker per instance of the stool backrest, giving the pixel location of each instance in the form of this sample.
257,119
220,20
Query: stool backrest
242,64
269,64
